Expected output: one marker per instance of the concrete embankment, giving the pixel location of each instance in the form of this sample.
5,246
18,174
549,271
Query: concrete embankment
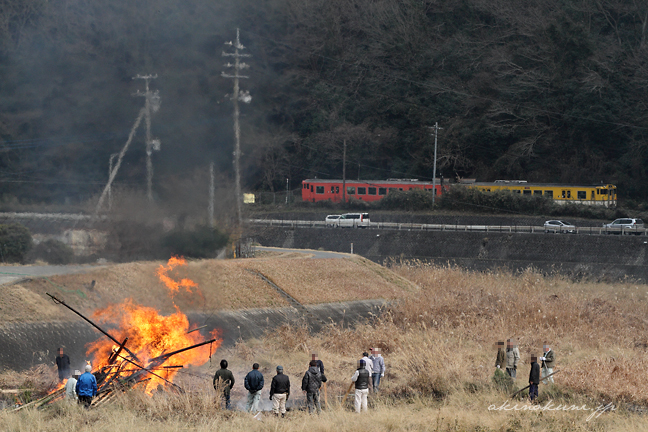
597,257
28,344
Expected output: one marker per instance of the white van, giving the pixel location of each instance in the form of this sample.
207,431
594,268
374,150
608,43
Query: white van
354,220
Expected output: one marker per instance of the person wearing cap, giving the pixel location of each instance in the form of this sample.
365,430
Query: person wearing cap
548,360
224,380
253,383
279,391
86,387
70,386
361,378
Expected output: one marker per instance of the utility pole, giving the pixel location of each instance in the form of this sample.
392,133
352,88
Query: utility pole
152,102
287,191
210,210
344,173
236,96
436,131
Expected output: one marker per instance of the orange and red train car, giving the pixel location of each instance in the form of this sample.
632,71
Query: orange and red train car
314,190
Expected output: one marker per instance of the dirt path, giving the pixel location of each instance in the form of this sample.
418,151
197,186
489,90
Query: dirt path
9,274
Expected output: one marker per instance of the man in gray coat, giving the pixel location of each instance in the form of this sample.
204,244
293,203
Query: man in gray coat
512,358
548,360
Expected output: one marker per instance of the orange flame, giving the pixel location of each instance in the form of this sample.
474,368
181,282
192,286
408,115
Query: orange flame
150,335
174,287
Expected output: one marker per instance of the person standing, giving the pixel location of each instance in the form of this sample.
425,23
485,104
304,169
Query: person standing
224,381
534,378
361,380
320,364
63,365
279,392
311,383
86,387
70,387
253,384
548,360
512,358
378,371
500,362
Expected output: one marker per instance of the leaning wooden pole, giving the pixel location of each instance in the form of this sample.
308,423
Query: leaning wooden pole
522,389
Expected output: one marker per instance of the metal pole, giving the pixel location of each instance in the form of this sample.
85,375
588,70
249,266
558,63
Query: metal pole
434,191
210,210
344,174
110,168
286,191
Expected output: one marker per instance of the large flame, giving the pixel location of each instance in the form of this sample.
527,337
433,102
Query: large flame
151,334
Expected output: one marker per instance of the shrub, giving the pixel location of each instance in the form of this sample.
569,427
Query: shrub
52,251
412,200
15,242
201,242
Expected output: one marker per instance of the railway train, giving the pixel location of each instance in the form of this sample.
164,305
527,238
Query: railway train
314,190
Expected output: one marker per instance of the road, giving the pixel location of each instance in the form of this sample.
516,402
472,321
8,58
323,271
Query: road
313,253
9,274
513,229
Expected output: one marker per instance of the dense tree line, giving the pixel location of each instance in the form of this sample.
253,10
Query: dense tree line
551,91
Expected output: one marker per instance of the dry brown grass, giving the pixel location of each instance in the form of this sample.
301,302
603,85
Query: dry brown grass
224,284
438,348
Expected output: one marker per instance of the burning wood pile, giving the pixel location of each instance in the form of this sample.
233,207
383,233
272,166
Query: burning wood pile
146,350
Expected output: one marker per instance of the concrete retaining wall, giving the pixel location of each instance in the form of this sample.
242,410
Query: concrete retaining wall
597,257
24,345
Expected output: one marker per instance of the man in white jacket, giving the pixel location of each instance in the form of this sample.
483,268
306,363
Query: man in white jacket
70,386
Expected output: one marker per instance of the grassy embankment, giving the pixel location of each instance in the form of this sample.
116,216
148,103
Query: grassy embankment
438,349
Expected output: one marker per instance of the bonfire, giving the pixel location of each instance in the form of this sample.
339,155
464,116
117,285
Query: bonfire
138,351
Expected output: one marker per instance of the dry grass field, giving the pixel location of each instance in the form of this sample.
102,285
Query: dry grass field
223,284
438,347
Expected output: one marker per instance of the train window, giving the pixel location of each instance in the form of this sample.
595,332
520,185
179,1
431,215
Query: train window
332,189
603,191
581,195
514,190
311,188
563,194
568,194
592,196
537,192
400,189
351,190
527,192
548,194
319,189
372,191
362,191
382,191
337,189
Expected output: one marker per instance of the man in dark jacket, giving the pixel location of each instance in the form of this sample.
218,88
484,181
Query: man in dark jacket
361,379
253,384
311,384
86,387
63,365
534,378
320,364
224,380
279,391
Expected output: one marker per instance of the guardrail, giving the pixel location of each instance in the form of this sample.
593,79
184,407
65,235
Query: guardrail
446,227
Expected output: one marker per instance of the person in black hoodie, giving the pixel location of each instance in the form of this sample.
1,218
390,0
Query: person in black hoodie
311,384
534,378
279,391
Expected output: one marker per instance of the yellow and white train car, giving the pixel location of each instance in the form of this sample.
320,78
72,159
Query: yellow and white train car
604,195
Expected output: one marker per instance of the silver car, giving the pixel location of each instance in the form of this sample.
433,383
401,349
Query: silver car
332,221
624,224
354,220
558,226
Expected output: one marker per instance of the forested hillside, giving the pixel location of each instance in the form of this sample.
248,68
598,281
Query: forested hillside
551,91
